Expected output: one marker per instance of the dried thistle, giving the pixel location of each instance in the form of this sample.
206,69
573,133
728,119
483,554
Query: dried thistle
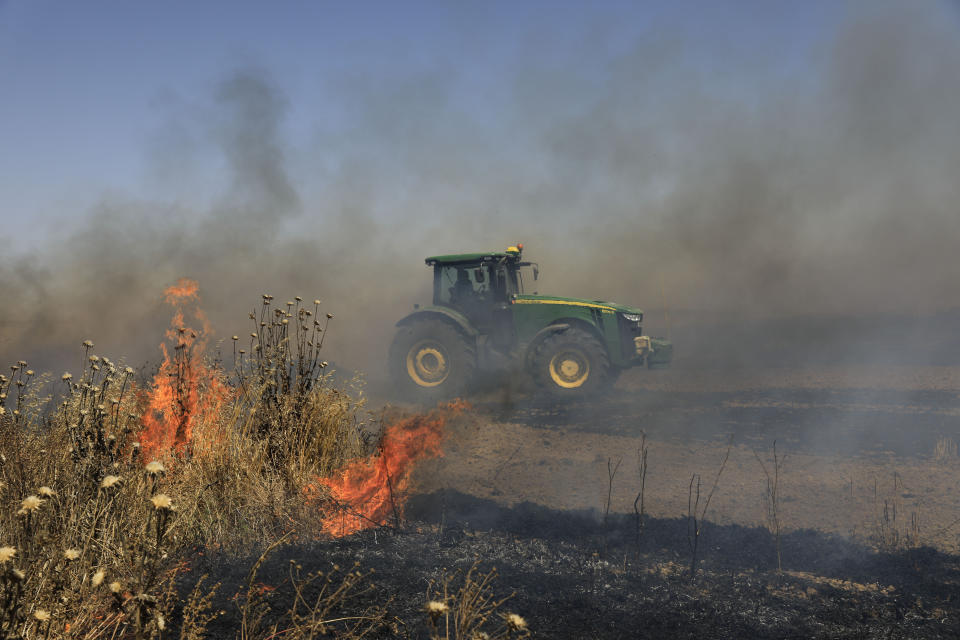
435,609
155,468
515,622
162,502
30,503
7,554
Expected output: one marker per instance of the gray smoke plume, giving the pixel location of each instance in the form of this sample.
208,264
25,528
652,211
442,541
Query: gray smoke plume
773,209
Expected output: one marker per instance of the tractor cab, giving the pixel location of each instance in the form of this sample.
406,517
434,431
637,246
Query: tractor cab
481,286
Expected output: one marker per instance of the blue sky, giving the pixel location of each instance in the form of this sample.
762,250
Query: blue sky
89,90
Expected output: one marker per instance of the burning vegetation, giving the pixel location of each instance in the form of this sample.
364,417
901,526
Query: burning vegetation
103,497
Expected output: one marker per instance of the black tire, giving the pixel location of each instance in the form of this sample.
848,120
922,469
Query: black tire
571,364
431,360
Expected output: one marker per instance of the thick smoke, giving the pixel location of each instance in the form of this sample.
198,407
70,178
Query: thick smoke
763,208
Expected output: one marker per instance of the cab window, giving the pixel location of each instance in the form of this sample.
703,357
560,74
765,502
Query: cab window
461,284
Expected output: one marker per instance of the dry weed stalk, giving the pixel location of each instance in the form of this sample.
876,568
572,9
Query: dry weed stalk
611,473
470,610
321,605
638,502
696,516
946,450
891,533
772,499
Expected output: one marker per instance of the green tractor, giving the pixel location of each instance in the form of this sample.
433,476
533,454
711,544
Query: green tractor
481,317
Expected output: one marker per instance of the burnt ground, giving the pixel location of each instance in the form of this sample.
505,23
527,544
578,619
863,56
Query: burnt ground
868,505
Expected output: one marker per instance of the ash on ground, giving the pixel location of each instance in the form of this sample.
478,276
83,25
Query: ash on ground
574,575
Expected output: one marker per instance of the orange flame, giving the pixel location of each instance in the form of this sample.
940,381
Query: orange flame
185,391
370,492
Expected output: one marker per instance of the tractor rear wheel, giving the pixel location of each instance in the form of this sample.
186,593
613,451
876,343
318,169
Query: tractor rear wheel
571,364
430,360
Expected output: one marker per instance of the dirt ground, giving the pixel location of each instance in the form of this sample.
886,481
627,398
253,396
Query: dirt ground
866,453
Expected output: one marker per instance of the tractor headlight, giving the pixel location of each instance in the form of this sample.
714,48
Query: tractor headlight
632,317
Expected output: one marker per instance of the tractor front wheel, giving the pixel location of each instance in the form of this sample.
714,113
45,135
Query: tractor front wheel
430,360
571,364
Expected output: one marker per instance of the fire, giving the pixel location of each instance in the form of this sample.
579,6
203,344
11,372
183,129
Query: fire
186,392
370,492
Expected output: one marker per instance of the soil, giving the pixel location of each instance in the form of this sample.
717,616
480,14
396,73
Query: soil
867,504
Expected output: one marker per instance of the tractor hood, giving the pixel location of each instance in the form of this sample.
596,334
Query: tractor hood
576,302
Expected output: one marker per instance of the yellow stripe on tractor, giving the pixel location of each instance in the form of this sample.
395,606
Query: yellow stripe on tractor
589,305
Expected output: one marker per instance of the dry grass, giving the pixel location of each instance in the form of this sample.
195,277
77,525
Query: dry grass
946,450
91,531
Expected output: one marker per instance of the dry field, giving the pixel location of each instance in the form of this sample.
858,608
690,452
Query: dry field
871,455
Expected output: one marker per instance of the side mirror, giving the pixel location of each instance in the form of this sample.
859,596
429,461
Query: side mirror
478,275
536,272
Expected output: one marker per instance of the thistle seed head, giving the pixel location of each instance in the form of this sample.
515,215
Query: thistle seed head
155,468
162,502
97,578
109,482
437,608
115,587
329,316
46,492
41,615
88,344
31,503
71,554
66,377
316,302
515,622
7,554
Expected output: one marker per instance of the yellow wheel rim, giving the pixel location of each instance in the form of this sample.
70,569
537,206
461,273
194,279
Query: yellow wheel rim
427,363
569,369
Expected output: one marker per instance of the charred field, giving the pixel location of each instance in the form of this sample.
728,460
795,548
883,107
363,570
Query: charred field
547,497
